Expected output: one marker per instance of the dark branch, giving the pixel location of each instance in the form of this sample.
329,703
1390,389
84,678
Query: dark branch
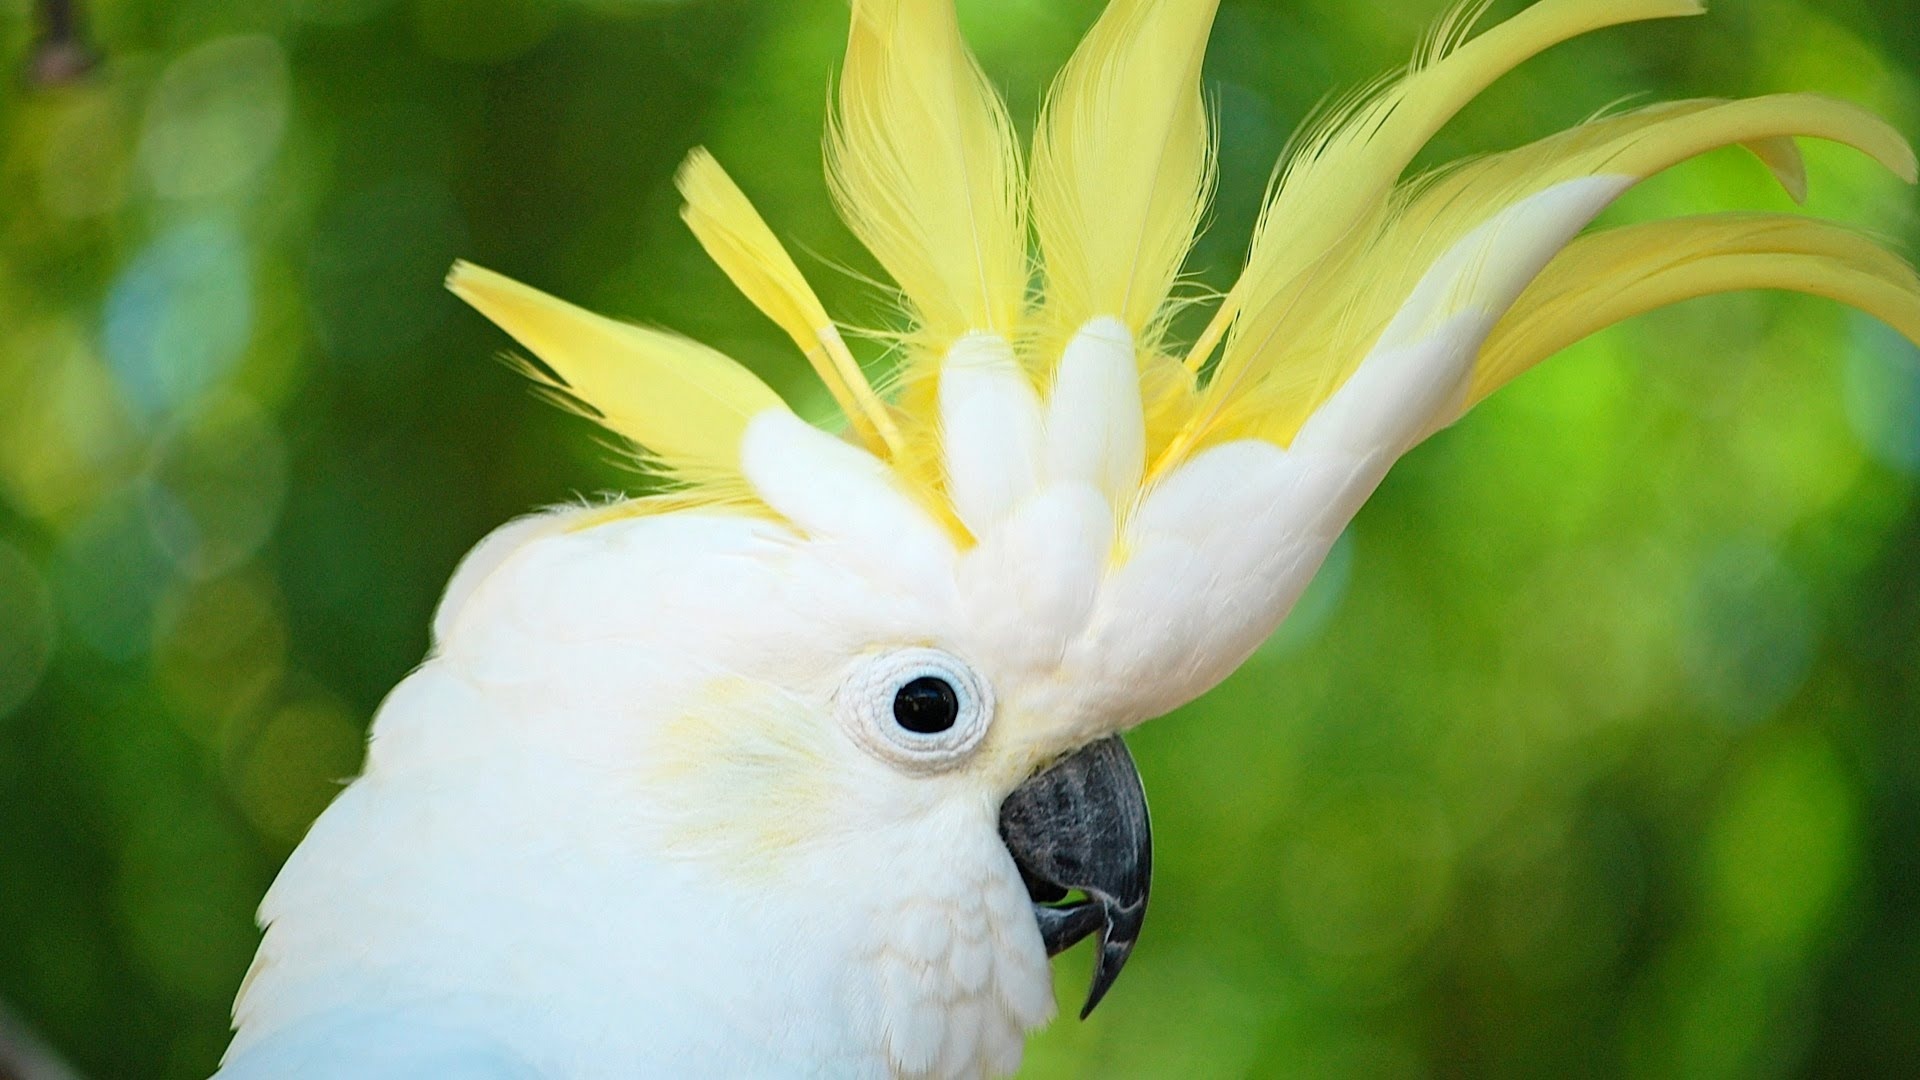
61,54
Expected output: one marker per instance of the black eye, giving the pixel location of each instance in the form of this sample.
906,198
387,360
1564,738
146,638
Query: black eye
926,706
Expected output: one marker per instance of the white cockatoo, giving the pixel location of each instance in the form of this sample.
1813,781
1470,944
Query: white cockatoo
805,766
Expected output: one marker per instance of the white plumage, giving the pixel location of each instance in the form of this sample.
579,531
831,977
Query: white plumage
712,782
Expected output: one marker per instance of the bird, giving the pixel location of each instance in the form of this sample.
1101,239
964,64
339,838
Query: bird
804,762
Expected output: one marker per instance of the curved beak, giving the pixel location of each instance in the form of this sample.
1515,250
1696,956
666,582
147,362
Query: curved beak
1081,826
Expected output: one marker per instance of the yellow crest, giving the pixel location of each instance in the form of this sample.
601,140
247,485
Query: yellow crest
923,166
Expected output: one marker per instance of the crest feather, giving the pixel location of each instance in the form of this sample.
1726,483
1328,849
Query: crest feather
922,164
738,240
990,431
1123,163
1419,295
1610,276
1338,174
1339,316
1335,182
687,405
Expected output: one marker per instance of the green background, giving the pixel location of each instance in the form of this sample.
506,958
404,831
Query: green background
1595,750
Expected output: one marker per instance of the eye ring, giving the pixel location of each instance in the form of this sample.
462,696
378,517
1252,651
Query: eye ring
923,710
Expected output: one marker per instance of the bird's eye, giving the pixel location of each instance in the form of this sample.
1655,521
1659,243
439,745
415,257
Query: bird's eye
921,709
926,706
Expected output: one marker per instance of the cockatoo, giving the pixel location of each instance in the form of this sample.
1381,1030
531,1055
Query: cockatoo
806,765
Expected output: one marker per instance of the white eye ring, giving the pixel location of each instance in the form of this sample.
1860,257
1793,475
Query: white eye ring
877,714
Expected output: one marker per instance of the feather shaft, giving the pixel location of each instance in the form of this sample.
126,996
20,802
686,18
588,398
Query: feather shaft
738,239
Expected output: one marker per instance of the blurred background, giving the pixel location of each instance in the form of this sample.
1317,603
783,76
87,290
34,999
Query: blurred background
1594,751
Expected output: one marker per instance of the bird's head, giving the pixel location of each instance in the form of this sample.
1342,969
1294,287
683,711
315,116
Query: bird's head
1053,521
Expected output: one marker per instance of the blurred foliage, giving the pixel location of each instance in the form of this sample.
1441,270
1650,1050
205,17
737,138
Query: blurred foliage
1594,751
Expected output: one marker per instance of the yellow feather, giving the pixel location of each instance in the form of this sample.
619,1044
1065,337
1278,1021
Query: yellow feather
1123,163
923,166
1339,174
1167,396
1773,117
1332,195
1607,277
685,403
738,239
1432,214
1340,313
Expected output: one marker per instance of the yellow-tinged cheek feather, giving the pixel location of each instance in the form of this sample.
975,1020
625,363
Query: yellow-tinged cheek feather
743,776
746,775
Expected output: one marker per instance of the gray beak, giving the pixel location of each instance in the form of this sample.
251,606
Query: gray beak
1082,826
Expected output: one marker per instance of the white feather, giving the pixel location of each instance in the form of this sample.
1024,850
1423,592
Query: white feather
831,489
1096,433
1219,551
1026,589
360,1043
486,557
1415,378
611,806
990,431
1222,547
